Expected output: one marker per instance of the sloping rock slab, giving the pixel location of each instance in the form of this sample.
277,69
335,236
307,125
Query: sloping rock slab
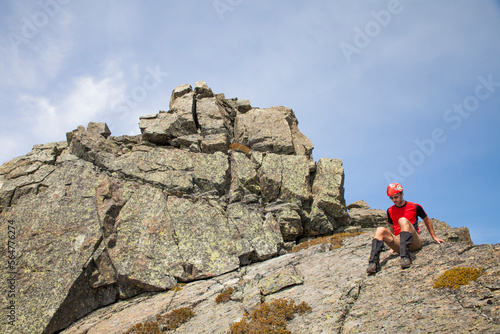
343,298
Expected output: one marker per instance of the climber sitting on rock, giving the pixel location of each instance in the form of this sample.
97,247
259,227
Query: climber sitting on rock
403,235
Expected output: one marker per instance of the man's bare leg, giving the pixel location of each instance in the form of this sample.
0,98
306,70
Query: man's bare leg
382,235
409,240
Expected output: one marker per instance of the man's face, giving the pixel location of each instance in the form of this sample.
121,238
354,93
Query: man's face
397,199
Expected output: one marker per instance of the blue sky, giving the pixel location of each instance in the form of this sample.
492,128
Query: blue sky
399,90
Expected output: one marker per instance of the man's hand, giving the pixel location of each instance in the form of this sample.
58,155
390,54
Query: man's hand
439,241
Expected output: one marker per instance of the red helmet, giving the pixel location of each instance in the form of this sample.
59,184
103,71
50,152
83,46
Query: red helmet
394,188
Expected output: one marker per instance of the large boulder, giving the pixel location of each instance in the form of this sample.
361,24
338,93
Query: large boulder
362,215
271,130
328,210
264,130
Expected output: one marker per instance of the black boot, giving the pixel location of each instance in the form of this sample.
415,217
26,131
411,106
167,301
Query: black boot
405,240
374,261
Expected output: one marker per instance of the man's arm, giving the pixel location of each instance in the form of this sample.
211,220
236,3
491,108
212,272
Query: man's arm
389,221
430,228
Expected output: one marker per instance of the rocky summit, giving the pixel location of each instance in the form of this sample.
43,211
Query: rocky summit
218,208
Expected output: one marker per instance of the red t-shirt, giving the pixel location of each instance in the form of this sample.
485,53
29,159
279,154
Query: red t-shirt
410,211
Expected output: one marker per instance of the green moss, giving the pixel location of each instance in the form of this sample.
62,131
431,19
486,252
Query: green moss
169,321
335,241
224,296
269,318
456,277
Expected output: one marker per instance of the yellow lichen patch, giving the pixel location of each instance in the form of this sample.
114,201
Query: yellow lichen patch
224,296
178,287
240,147
169,321
335,241
269,317
454,278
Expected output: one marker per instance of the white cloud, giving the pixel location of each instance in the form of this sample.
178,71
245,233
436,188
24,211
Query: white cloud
87,100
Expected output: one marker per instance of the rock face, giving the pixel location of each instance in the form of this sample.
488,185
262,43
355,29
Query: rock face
209,186
101,230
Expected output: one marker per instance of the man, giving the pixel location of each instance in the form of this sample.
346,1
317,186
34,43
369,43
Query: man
403,235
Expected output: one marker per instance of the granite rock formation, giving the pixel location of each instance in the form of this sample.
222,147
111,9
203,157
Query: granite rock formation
213,193
209,186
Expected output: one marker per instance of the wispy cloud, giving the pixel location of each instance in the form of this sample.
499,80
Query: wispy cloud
86,99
